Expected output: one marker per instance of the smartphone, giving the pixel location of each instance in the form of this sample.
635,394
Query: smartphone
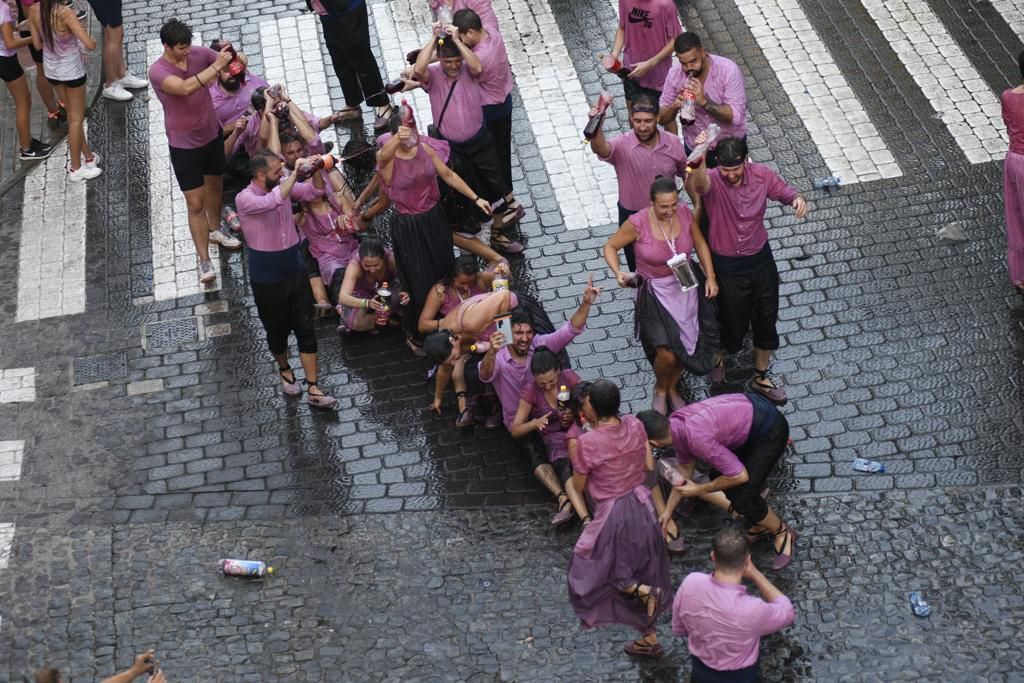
503,324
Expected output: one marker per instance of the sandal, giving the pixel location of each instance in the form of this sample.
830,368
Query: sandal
782,558
291,389
674,542
565,510
321,309
319,400
650,601
641,648
347,114
504,243
381,121
586,520
764,386
465,418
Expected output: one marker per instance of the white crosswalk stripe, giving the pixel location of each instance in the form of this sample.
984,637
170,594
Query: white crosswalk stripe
945,75
6,540
844,134
17,385
11,454
174,254
548,84
51,254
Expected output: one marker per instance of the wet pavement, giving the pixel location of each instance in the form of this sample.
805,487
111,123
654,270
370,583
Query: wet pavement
157,441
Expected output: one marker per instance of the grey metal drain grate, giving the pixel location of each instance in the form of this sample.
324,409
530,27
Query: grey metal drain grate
169,333
92,369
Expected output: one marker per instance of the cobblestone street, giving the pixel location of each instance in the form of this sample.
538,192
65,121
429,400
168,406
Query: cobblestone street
144,435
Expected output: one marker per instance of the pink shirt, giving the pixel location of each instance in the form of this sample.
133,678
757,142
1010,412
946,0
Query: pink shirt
510,375
723,622
413,188
496,77
648,25
483,9
636,165
464,117
553,435
6,18
652,250
737,211
1013,117
723,85
613,458
230,105
711,429
190,120
267,221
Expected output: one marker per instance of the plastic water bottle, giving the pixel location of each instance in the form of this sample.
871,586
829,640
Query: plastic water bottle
862,465
670,473
711,134
563,397
249,568
918,605
408,118
499,283
688,112
826,183
443,16
384,298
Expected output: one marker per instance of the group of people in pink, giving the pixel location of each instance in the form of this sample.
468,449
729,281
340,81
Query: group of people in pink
309,254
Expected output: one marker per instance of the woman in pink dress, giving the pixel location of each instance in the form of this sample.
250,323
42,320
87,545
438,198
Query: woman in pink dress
367,271
1013,179
619,570
677,329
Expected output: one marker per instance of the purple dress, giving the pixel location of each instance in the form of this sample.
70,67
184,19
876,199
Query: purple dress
366,288
623,545
683,322
1013,184
554,434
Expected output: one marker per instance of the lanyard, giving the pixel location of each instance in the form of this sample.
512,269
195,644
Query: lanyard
665,234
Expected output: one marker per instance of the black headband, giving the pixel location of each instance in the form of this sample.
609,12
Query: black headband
644,109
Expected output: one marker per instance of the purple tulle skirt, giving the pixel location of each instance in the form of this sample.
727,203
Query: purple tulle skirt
629,549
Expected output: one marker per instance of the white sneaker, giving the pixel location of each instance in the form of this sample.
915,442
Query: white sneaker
132,82
218,237
95,163
206,272
116,92
84,173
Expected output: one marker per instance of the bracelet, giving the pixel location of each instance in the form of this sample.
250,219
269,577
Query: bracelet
365,304
200,81
476,199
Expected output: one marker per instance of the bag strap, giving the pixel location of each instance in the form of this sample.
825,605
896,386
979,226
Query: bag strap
445,107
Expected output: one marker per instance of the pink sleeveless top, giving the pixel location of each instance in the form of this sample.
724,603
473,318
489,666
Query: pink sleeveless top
652,251
413,188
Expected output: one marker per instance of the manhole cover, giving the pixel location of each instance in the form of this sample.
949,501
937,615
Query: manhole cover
168,333
91,369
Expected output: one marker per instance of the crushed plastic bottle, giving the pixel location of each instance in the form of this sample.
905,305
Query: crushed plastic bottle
670,473
248,568
862,465
918,605
827,183
952,232
710,135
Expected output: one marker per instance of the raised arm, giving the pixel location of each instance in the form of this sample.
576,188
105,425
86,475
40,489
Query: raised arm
420,69
468,56
174,85
76,28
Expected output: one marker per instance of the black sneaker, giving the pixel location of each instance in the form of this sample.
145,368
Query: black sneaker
36,150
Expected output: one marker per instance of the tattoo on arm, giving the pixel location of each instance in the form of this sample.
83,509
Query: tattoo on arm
722,112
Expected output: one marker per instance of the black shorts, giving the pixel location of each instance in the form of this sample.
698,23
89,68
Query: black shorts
533,449
563,468
749,299
108,12
312,267
37,55
10,69
76,83
191,165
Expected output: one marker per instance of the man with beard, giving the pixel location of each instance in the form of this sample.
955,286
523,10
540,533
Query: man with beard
277,274
736,194
714,83
232,95
639,157
456,103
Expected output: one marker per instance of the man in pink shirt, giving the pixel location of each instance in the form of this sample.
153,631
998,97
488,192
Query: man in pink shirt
639,157
742,437
722,622
647,31
456,103
505,366
181,79
736,195
277,274
714,83
496,82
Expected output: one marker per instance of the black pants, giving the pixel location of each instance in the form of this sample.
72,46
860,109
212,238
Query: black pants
498,118
286,306
348,41
759,456
748,298
629,249
702,673
480,396
476,160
